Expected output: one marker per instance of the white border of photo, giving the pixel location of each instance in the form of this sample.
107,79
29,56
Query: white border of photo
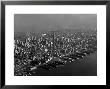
100,79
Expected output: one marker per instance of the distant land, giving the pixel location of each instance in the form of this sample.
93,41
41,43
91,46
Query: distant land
48,22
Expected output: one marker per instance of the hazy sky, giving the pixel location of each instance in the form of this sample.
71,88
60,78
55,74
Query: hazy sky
44,22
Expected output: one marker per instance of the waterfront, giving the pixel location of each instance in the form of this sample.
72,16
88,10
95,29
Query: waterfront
85,67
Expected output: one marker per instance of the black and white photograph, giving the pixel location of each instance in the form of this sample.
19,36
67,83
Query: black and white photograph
55,45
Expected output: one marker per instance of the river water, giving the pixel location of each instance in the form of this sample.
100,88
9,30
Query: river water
84,67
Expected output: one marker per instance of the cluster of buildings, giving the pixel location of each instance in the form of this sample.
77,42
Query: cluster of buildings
50,50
